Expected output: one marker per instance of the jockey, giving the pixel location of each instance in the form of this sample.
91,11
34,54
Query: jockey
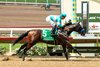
56,21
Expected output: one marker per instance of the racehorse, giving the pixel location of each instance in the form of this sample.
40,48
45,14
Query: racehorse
46,6
35,36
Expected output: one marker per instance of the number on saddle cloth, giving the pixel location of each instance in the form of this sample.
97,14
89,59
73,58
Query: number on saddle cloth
46,35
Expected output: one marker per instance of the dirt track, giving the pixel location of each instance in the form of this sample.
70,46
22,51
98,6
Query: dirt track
50,62
24,15
17,16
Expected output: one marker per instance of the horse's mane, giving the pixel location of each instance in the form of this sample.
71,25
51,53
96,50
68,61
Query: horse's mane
71,26
66,24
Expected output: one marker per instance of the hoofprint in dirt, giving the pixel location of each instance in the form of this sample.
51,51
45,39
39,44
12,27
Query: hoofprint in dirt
49,62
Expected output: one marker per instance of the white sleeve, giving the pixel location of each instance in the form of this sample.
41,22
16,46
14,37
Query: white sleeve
67,19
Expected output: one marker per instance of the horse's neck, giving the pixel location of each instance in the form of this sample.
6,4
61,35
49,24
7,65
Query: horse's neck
69,32
70,26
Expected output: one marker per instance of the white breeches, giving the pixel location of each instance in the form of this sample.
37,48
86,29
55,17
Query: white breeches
50,21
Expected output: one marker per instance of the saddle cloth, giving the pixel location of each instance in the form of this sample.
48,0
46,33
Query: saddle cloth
46,35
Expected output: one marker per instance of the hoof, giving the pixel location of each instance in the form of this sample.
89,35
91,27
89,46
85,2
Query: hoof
82,56
29,59
5,59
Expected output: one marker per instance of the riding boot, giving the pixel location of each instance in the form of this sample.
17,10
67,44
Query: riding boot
53,31
53,34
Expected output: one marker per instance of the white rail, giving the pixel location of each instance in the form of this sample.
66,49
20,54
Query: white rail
12,31
19,29
30,3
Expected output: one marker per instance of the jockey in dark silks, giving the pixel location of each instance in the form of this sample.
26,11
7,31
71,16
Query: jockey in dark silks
56,22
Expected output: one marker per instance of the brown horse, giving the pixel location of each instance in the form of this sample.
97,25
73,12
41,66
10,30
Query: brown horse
35,36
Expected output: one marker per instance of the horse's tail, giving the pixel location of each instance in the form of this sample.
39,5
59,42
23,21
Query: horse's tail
20,37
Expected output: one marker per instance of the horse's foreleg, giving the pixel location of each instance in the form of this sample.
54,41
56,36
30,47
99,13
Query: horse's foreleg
64,48
71,47
65,52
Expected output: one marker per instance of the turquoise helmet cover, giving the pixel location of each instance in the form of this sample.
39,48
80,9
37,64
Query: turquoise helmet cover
63,15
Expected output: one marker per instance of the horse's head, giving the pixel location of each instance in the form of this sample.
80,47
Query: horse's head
79,28
75,27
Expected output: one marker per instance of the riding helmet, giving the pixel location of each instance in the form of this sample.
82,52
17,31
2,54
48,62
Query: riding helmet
63,15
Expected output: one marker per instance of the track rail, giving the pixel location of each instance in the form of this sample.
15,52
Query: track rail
74,40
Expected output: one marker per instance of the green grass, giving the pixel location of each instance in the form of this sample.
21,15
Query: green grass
39,48
6,45
39,1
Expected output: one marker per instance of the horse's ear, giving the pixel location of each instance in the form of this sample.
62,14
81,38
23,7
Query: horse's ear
79,22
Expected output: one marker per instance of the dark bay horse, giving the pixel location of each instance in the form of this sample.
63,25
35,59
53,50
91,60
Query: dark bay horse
34,36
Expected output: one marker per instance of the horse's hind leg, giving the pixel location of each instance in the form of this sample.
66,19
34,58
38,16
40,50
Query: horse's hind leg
22,47
65,52
32,39
24,53
27,48
19,52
